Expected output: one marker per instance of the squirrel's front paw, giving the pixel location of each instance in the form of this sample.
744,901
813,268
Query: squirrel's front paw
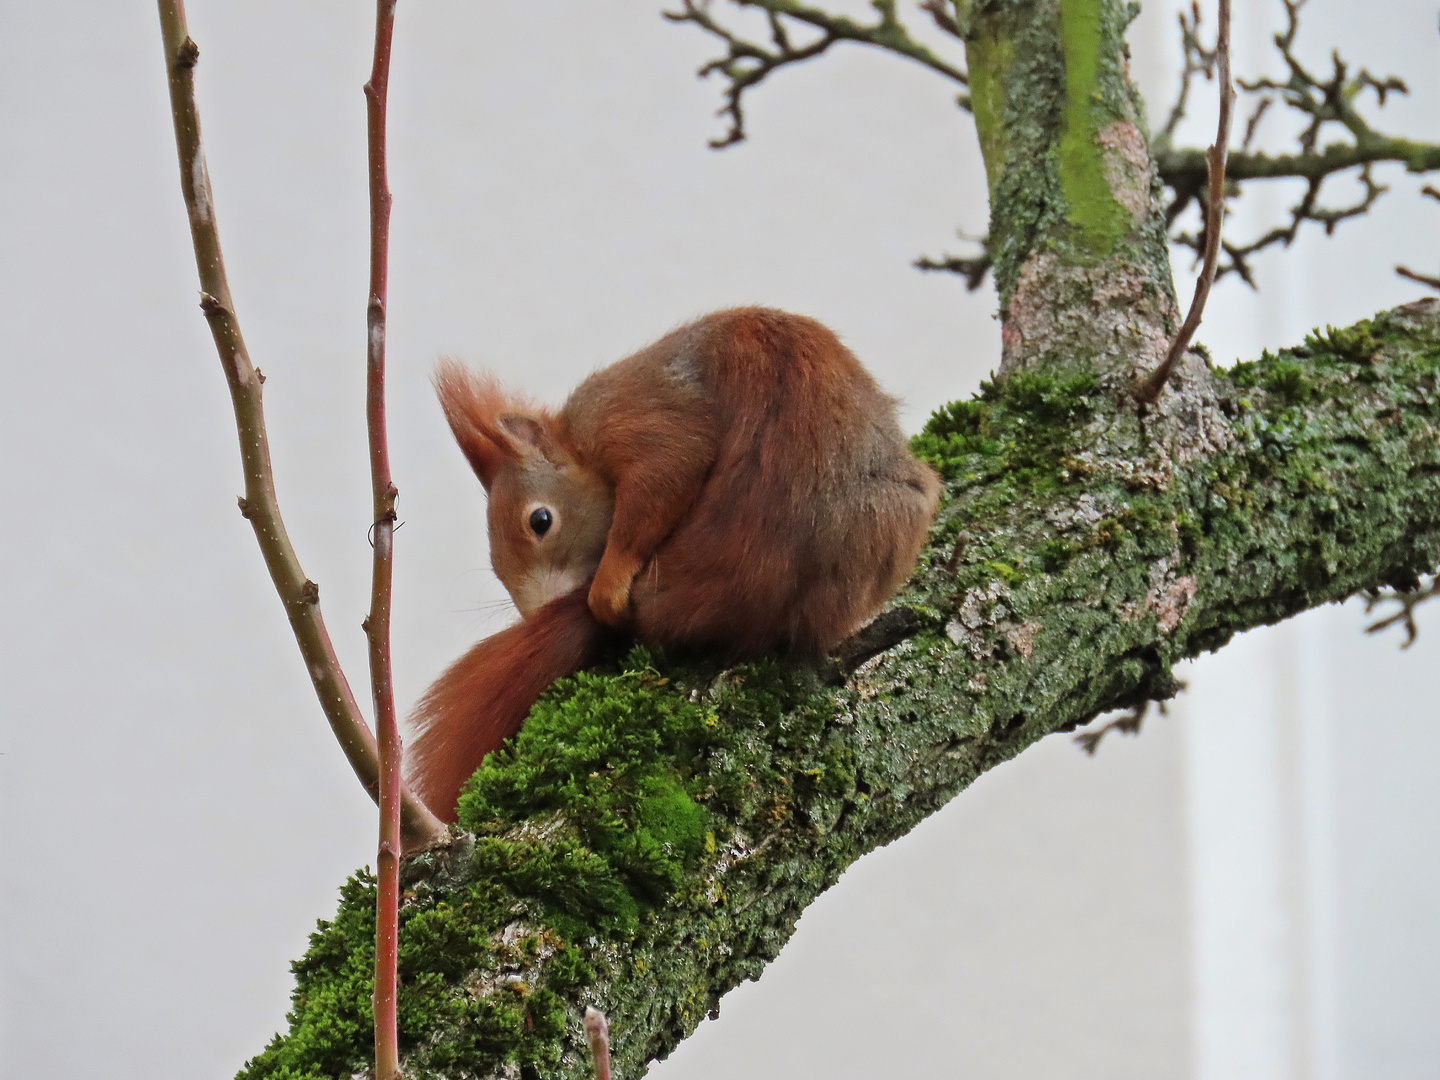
610,597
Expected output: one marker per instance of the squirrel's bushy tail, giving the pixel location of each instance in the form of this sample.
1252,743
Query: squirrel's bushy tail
484,697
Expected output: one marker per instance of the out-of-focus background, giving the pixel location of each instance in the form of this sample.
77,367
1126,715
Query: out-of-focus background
1248,891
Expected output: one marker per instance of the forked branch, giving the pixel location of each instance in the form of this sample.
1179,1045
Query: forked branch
1409,597
747,63
1325,103
973,268
300,596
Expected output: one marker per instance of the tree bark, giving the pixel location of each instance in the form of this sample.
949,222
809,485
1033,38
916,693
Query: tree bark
655,831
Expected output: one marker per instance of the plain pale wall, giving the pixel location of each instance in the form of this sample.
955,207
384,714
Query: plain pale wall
179,813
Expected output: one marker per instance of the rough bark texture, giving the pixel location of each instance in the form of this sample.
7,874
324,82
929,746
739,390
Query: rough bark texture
655,831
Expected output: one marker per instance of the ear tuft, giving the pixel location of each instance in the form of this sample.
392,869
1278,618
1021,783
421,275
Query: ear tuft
473,402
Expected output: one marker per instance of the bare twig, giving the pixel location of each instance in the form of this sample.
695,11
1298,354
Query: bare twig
1404,271
300,596
597,1033
1198,61
1148,392
747,63
1423,279
1323,102
377,625
972,268
1409,599
943,14
1126,724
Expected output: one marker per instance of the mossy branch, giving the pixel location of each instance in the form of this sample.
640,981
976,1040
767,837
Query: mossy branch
656,829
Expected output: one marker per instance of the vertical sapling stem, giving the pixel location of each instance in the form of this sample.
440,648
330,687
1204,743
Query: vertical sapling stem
377,626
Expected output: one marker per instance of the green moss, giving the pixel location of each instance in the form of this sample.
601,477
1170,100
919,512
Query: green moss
1357,344
608,807
988,57
1053,396
1023,429
1099,219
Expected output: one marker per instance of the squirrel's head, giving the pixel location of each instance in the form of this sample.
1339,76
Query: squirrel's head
548,516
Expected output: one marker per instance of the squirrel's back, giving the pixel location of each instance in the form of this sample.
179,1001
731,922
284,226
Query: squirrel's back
813,511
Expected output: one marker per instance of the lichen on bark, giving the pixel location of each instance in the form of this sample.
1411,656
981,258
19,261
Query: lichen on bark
1077,223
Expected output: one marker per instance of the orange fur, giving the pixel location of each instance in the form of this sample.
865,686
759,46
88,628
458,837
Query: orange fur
483,698
740,485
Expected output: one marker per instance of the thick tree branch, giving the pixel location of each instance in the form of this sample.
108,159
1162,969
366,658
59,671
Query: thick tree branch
658,827
300,596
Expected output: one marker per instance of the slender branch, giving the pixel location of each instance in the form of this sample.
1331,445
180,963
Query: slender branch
1184,169
1148,392
1423,279
972,268
377,626
747,63
1409,598
1198,61
1404,271
943,14
300,596
1128,723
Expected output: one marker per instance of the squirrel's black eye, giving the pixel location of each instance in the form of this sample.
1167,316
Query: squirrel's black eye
540,521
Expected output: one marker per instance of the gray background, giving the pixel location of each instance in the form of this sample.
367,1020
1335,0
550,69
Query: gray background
177,814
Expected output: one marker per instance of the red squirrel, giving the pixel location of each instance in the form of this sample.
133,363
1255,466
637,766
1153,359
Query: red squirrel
739,485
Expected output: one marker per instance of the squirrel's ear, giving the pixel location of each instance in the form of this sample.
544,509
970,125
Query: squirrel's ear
473,402
533,435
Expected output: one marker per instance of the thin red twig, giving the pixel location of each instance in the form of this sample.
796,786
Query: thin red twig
300,595
1148,391
377,626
